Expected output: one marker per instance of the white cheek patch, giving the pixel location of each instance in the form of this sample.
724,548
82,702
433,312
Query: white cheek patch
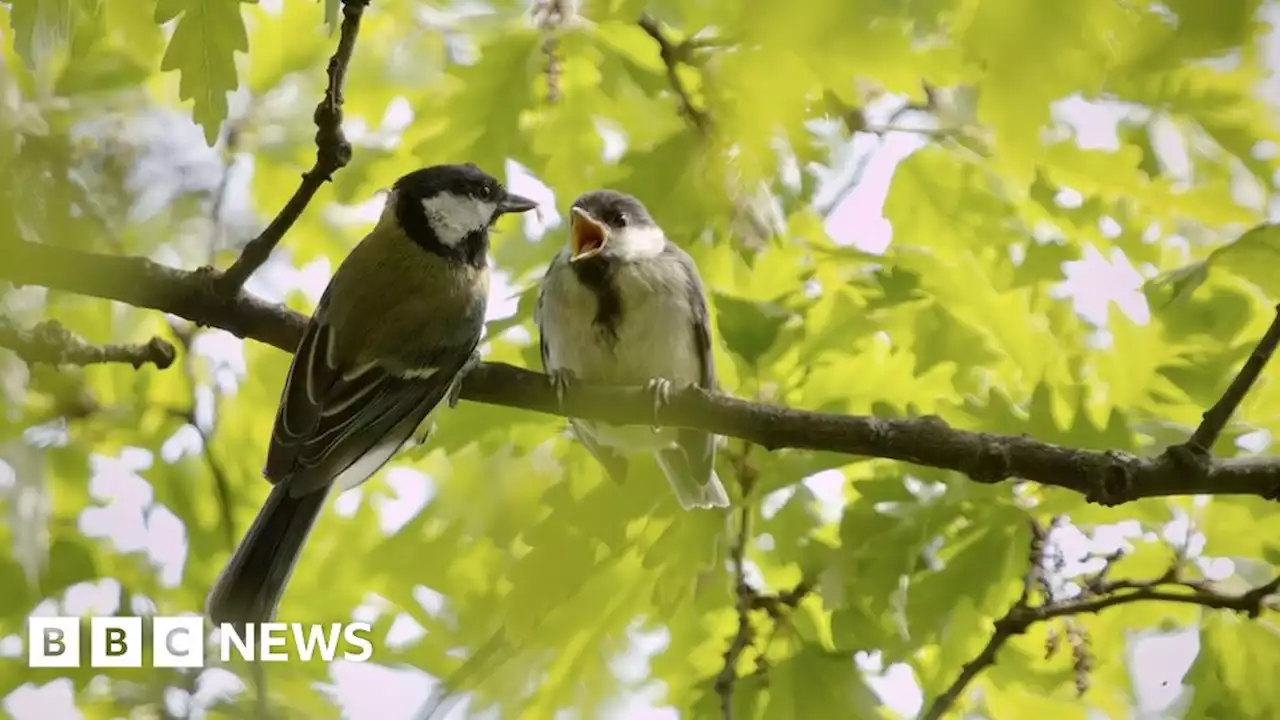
639,241
453,217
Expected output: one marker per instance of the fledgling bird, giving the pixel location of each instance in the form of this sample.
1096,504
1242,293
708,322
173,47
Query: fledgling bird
393,334
623,305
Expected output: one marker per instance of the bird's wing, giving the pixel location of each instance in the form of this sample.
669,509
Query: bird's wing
615,465
340,424
699,446
539,313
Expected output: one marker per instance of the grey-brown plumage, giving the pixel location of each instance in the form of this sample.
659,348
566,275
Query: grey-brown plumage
396,327
623,305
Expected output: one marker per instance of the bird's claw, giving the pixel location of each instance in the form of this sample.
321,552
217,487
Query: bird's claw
561,379
661,389
455,391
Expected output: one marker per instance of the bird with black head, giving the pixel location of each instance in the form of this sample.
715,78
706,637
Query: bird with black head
393,334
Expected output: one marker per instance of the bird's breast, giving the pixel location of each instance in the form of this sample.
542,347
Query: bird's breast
625,326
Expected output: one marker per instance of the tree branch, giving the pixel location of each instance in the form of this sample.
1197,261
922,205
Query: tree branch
755,229
1169,587
549,16
1215,419
52,344
673,55
1108,477
146,284
333,152
743,592
776,605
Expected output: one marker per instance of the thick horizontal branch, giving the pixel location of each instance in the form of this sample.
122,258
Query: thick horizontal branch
1107,477
142,283
50,343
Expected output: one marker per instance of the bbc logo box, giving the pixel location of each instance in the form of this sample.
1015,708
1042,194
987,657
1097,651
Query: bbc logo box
55,642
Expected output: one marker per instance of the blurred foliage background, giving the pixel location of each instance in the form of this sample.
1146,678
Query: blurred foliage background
1061,252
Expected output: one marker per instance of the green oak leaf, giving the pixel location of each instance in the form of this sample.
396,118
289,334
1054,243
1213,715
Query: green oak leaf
202,50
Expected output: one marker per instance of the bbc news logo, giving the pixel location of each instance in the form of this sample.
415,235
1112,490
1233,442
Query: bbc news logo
178,642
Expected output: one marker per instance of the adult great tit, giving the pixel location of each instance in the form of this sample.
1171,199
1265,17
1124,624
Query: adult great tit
393,334
623,305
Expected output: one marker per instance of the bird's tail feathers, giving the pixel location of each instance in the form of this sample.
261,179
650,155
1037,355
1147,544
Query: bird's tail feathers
691,491
713,492
250,587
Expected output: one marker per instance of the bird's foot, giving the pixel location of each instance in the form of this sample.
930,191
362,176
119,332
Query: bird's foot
455,392
561,379
661,389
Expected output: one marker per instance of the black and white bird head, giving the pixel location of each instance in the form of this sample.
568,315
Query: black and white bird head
448,209
608,224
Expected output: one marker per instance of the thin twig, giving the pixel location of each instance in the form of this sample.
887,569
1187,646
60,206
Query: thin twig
221,484
744,594
333,152
855,121
549,16
447,688
51,343
700,121
1215,419
776,605
1006,627
1193,459
672,57
1168,587
728,674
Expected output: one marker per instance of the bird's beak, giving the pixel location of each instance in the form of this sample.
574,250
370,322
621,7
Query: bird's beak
588,234
513,203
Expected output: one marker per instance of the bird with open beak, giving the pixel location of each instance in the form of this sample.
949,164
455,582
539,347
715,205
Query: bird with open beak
623,305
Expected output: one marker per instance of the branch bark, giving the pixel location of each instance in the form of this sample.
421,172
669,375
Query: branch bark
1099,596
146,284
50,343
673,56
1108,477
1216,417
333,152
743,593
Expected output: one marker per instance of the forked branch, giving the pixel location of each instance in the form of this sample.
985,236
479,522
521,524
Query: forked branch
1098,594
